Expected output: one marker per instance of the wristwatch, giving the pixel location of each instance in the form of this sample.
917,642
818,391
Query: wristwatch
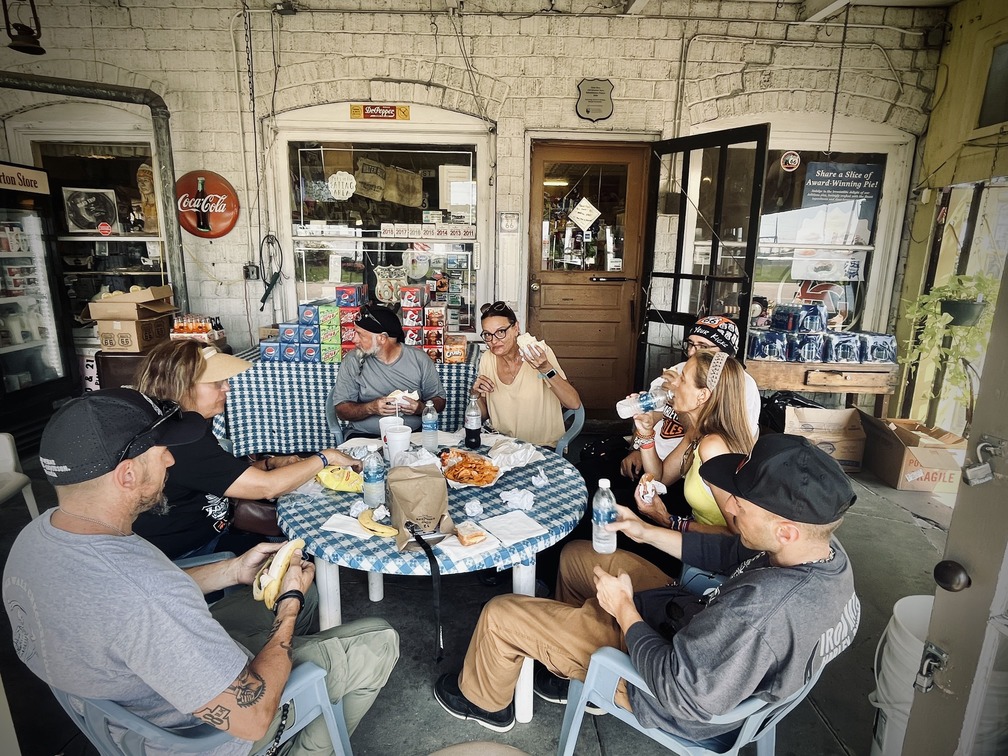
551,373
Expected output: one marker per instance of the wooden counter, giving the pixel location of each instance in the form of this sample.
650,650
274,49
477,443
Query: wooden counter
880,379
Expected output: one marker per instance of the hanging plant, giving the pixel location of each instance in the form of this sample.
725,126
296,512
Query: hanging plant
961,309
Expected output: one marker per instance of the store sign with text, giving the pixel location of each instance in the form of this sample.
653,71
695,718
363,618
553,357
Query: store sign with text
207,204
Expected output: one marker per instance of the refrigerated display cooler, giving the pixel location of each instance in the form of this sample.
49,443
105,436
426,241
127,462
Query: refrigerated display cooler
38,367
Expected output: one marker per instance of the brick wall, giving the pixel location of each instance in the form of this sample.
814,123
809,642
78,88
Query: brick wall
698,62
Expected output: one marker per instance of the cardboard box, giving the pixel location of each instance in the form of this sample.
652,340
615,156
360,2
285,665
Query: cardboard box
837,432
349,315
133,335
308,314
269,351
329,313
145,304
311,353
331,333
455,347
290,352
436,353
269,333
289,333
909,456
330,353
308,334
413,335
412,316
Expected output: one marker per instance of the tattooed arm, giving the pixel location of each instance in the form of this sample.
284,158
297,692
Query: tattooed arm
247,706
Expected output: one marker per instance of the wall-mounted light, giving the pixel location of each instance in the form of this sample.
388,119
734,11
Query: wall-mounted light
555,182
24,32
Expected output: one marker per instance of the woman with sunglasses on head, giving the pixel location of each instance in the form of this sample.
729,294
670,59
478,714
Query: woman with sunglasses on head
709,400
523,391
198,515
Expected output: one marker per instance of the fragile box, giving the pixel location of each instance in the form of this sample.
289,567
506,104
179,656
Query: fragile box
148,303
837,432
910,456
132,335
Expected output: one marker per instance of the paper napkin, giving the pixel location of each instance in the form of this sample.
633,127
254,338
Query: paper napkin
513,527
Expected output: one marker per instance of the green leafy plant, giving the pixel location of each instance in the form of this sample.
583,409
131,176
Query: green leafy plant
934,337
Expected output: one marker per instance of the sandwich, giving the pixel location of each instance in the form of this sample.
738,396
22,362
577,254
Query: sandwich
266,586
527,341
648,487
397,395
469,533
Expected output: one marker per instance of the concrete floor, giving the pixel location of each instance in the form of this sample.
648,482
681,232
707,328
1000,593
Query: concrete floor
893,552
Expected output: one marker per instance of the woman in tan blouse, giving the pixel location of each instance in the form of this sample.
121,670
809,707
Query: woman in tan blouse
522,390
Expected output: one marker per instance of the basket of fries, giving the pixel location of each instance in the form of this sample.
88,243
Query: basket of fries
465,468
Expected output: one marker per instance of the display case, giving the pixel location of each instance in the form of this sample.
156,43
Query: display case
108,233
388,216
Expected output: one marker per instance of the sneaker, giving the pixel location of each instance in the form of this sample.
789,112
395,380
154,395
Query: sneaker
448,694
553,688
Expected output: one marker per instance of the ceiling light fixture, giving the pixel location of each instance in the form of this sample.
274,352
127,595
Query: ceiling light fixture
24,36
555,182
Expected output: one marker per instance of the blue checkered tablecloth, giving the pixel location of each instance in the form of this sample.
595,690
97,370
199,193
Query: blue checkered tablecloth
558,507
280,406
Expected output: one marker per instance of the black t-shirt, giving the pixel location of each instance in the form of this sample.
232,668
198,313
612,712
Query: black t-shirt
200,511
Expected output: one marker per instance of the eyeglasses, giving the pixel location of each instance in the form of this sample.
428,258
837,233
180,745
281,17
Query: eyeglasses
169,410
496,335
687,345
498,306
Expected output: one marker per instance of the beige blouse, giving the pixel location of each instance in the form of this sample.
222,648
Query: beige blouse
527,408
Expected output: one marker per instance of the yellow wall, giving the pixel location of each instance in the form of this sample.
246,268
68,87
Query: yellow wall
953,153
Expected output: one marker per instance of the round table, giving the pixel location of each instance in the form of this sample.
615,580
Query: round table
558,506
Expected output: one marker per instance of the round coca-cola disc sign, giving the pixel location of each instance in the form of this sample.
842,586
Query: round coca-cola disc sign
207,204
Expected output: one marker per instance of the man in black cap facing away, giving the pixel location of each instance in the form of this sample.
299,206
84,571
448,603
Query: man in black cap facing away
380,365
99,612
787,607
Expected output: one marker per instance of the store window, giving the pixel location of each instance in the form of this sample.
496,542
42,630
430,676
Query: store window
389,215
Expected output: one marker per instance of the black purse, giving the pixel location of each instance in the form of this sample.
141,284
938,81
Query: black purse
257,516
668,610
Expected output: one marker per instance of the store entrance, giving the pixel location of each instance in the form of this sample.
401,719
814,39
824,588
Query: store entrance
585,251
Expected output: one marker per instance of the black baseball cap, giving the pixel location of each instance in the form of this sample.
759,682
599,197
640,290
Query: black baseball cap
380,320
786,475
89,436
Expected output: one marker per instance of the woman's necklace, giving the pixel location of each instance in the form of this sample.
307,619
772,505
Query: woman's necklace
92,519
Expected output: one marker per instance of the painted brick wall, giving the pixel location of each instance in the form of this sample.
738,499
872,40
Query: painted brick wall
697,62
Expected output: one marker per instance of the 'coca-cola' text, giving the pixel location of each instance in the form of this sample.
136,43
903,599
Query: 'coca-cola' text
212,203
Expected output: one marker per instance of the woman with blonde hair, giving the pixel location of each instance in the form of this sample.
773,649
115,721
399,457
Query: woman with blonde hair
710,401
200,486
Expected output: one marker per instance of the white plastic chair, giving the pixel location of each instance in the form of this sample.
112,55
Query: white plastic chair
756,718
12,479
306,691
576,418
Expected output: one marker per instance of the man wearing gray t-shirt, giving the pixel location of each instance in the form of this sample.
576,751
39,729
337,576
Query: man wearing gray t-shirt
380,365
99,612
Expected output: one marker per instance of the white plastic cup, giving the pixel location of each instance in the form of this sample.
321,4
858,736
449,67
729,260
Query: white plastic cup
398,441
384,424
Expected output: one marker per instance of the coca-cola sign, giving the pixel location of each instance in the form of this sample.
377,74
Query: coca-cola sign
207,204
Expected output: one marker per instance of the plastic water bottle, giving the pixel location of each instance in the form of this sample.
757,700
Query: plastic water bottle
374,477
473,423
603,511
430,424
653,400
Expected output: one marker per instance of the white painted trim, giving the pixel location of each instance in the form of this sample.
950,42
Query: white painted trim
427,125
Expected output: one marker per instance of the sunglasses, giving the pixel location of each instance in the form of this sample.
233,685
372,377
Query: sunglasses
169,410
498,306
366,314
496,335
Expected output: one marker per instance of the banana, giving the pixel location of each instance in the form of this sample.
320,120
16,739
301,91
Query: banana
367,521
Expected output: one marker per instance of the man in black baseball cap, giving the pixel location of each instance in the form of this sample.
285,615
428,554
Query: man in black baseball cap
388,378
99,612
787,607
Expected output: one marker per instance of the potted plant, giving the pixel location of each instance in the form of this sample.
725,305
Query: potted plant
951,324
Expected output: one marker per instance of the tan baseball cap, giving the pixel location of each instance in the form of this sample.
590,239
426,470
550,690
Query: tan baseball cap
220,366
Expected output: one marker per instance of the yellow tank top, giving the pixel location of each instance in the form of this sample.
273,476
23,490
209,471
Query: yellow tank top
699,496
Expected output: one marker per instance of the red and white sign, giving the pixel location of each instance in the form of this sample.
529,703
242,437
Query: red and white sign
207,204
105,229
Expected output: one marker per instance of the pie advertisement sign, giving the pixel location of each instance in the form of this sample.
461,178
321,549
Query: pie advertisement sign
207,204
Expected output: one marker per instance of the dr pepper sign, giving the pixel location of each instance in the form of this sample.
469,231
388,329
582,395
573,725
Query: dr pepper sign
207,204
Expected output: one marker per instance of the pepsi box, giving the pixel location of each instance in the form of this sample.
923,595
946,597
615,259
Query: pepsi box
805,347
842,346
349,296
767,345
269,351
877,347
288,333
290,352
308,334
308,314
310,353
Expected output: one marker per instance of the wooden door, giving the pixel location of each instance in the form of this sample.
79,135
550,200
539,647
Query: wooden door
585,251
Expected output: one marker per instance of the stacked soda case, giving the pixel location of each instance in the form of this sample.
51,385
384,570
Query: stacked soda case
798,333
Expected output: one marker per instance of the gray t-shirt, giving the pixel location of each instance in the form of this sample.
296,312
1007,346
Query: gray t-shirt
362,378
110,617
755,638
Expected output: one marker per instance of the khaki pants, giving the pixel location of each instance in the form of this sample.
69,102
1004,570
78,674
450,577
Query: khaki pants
562,634
358,658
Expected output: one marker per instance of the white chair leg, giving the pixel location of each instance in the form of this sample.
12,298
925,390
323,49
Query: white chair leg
29,498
